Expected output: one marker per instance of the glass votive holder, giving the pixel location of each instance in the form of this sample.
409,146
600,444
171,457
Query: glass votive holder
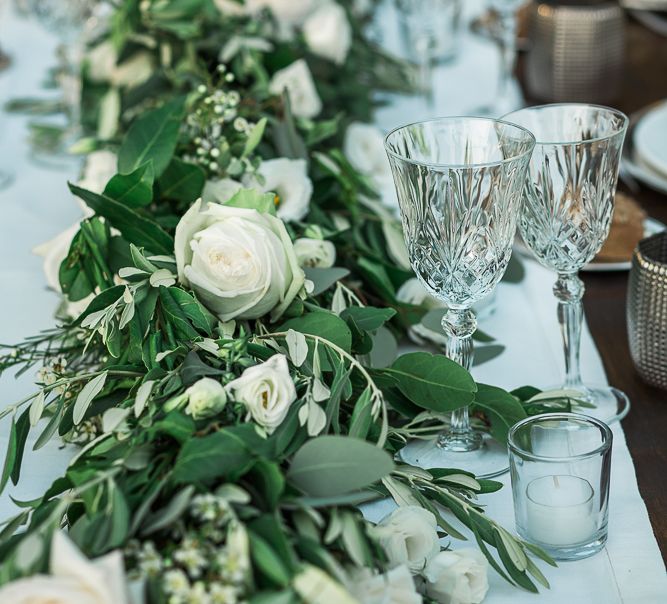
560,465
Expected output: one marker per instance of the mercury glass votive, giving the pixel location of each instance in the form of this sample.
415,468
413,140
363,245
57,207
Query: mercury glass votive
560,466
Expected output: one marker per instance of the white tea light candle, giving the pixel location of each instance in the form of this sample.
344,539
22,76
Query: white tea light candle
559,510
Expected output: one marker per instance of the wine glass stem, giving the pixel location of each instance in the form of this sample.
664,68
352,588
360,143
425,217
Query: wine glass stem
569,290
459,325
425,68
507,42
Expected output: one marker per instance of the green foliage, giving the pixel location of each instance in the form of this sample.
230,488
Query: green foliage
152,138
118,379
329,466
432,381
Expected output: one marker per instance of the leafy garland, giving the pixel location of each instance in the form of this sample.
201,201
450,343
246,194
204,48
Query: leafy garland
230,372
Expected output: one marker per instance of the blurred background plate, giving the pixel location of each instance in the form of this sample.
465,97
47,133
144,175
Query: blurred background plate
650,139
635,165
651,227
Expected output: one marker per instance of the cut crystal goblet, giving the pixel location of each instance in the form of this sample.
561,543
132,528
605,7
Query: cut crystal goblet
567,212
459,183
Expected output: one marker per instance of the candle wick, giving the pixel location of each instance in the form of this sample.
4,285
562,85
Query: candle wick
556,484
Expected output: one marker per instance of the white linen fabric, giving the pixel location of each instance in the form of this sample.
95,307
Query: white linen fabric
38,206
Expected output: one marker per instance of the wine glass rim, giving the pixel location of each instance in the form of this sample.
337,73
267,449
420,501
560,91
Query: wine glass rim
622,128
586,419
448,118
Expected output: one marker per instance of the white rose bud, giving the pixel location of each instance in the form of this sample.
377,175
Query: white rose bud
133,71
328,33
101,60
363,147
206,398
298,81
288,179
393,587
73,580
457,577
315,253
239,262
409,536
267,391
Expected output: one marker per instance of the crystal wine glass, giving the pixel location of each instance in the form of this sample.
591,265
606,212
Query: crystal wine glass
68,20
566,217
505,35
430,34
459,182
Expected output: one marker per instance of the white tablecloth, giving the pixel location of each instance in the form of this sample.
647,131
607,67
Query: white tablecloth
38,206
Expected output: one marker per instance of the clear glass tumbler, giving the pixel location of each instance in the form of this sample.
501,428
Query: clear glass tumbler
459,182
567,212
560,465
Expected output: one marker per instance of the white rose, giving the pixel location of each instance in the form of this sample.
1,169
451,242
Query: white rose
409,536
288,179
314,586
101,61
206,398
363,147
133,71
298,81
393,587
267,391
100,166
73,579
457,577
98,170
103,66
413,292
328,33
314,253
239,262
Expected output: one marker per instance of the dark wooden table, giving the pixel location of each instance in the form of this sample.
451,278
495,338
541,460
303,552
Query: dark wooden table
605,300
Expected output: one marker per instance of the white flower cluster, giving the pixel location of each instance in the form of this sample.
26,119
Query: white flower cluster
214,126
51,372
410,540
212,508
209,562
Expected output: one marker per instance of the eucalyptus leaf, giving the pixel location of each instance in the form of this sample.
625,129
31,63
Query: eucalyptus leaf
323,324
335,465
297,347
324,278
86,396
433,381
502,409
165,517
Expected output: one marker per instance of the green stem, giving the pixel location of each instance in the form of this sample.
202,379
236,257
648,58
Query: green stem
61,382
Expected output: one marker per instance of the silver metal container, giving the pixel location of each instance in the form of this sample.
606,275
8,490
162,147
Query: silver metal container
576,50
647,309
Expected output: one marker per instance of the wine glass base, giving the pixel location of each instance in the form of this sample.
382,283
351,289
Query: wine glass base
611,404
489,460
